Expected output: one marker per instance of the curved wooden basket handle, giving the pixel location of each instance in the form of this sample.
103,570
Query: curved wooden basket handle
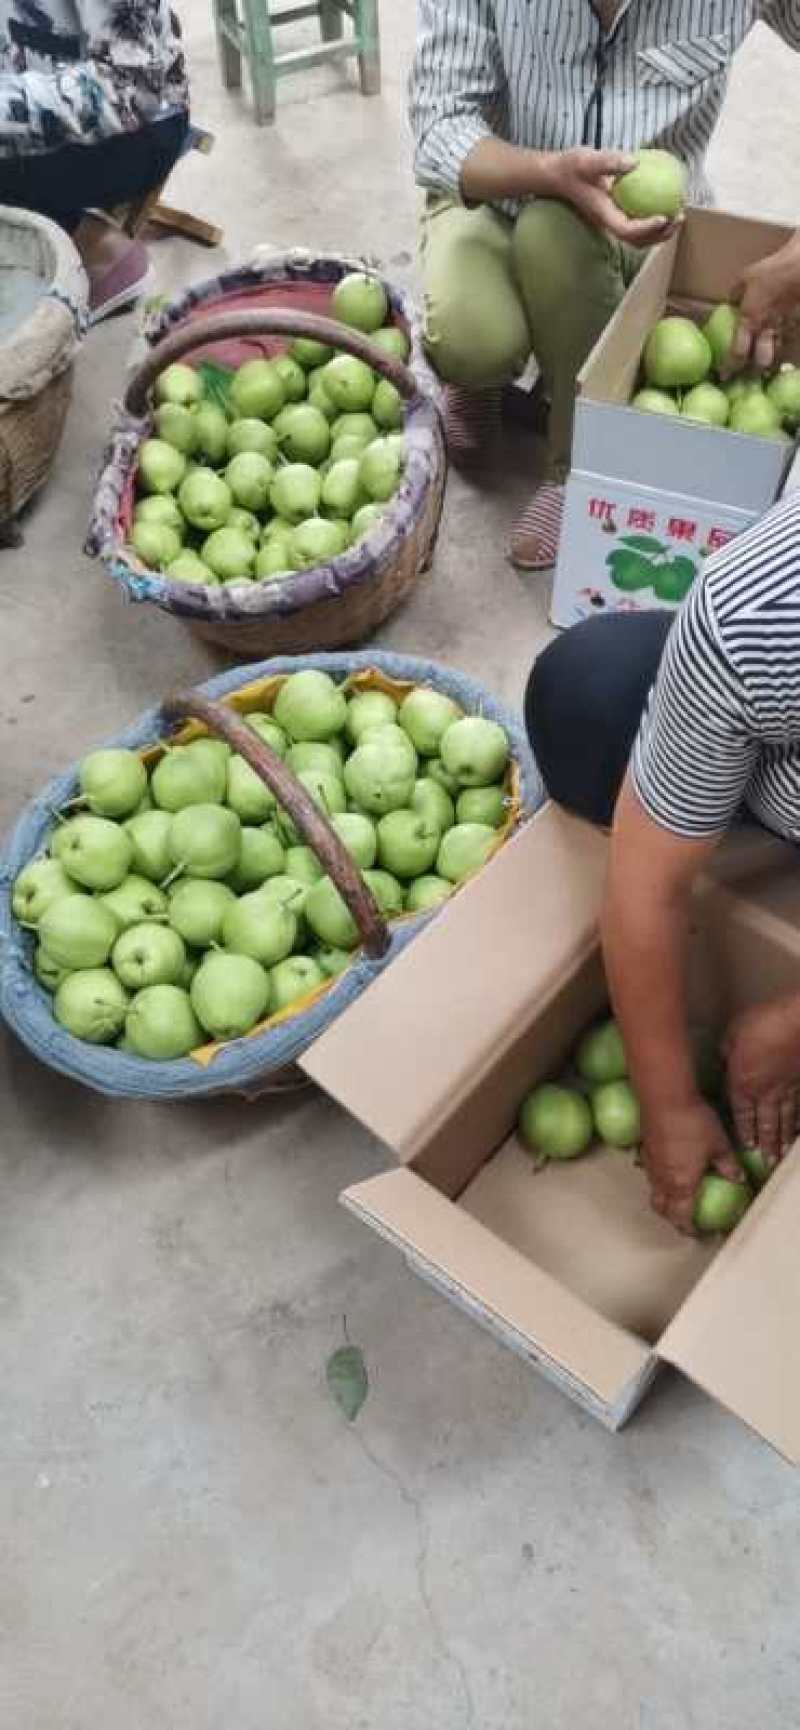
291,794
222,326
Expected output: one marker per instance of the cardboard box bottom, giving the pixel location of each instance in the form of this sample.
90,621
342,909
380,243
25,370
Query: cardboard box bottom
570,1252
569,1266
613,1415
507,1296
589,1223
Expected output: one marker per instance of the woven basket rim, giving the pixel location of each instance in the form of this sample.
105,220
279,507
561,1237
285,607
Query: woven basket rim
43,341
287,264
331,581
241,1064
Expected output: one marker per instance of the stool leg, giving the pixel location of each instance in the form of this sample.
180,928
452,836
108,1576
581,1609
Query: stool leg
331,22
261,60
369,60
230,60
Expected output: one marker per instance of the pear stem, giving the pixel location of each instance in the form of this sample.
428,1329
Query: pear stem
172,876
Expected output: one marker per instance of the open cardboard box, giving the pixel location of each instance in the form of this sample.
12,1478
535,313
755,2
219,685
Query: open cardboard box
570,1266
685,487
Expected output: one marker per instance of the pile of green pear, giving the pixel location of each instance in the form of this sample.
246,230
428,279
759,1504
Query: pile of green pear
685,368
595,1103
177,903
299,465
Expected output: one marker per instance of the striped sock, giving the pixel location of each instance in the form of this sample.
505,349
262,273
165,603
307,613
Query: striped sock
533,545
471,421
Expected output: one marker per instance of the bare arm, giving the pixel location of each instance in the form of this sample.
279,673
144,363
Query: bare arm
762,1054
645,932
768,297
494,170
769,293
458,96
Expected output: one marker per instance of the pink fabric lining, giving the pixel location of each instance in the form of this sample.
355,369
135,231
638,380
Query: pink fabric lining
306,283
299,297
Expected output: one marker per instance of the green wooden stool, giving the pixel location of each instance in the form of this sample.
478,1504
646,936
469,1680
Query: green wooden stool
245,28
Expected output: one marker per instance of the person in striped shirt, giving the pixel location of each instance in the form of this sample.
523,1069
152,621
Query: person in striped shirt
668,731
522,115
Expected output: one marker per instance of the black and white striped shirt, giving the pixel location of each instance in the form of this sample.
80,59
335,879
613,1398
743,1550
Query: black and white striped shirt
544,75
722,726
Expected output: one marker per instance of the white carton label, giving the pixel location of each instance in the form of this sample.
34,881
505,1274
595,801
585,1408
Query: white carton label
630,548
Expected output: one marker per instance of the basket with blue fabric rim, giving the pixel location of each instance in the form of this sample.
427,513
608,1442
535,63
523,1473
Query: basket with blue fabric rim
251,311
264,1059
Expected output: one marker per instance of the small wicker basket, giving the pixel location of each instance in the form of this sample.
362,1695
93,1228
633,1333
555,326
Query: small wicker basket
334,604
36,358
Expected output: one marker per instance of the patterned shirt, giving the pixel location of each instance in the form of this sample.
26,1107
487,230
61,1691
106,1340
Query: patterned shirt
75,71
545,75
722,726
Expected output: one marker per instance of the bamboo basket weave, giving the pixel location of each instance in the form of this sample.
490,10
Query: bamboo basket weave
257,310
36,359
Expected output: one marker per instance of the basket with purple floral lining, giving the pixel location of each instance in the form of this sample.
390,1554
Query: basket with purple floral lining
255,313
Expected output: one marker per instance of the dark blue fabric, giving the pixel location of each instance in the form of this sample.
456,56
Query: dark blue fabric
63,183
584,702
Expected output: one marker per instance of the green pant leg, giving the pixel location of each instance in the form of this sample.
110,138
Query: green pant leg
571,278
476,330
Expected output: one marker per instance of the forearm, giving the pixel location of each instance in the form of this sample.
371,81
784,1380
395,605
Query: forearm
792,258
786,263
494,170
645,941
768,296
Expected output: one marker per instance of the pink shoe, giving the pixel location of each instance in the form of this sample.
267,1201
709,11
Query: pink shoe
533,545
118,282
471,422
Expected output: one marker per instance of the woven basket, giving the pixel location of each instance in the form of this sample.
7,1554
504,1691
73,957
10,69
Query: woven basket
265,1060
36,358
256,311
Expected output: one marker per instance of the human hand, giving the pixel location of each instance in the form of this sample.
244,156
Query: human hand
762,1053
584,178
681,1143
768,296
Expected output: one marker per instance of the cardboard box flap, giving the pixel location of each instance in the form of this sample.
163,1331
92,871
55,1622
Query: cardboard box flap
698,266
737,1333
421,1037
714,248
601,1363
610,372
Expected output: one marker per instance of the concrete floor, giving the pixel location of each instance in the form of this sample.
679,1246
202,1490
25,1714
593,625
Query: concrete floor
192,1537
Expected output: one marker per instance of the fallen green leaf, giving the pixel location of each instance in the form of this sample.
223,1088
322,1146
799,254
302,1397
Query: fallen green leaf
347,1379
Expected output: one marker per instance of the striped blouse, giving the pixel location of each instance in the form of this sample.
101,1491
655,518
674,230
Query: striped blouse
544,74
722,726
